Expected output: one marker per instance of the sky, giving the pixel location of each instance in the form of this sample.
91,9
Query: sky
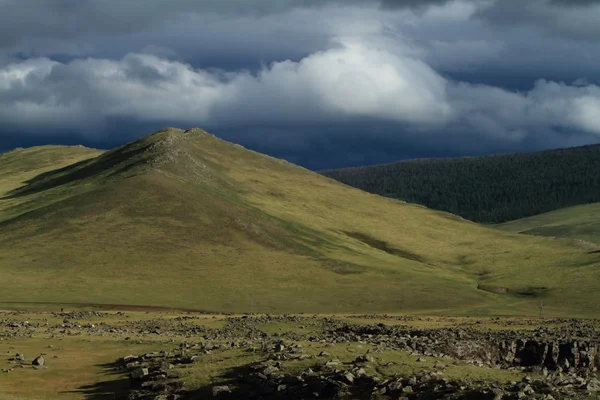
321,83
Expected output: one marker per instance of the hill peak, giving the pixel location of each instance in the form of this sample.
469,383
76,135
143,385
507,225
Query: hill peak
180,218
171,150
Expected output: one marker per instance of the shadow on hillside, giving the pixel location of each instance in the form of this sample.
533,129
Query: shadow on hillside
385,246
114,386
80,170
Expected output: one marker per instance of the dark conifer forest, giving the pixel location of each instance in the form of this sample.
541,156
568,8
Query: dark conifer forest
490,189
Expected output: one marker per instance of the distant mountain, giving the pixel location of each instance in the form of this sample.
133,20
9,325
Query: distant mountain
183,219
491,189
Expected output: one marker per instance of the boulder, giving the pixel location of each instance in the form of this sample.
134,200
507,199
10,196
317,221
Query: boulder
139,373
270,370
220,390
39,361
279,348
348,377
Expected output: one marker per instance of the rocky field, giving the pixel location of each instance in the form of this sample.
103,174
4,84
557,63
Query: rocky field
175,355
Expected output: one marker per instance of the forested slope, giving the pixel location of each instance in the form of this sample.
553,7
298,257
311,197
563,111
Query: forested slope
494,188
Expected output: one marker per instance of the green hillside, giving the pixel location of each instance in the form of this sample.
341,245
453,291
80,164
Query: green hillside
20,165
578,222
491,189
186,220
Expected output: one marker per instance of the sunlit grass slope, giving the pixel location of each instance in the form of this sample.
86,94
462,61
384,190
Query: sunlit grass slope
17,167
184,219
578,222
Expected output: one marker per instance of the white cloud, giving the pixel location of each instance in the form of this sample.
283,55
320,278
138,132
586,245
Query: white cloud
576,105
353,80
369,69
513,115
350,80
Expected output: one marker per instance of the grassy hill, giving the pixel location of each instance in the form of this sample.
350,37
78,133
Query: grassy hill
577,222
490,189
20,165
183,219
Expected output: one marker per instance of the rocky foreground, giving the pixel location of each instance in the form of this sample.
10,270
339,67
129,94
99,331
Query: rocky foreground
362,357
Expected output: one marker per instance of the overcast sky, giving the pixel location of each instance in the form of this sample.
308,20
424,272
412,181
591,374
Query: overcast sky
322,83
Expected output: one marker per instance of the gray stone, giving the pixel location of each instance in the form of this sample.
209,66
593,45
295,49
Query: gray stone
279,348
270,370
39,361
364,359
139,373
592,386
218,390
348,377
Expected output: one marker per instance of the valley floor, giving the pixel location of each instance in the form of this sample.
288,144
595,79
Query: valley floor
184,355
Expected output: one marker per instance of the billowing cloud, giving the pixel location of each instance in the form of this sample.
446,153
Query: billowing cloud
350,80
453,76
353,80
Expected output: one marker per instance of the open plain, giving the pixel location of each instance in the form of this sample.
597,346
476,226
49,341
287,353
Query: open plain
171,354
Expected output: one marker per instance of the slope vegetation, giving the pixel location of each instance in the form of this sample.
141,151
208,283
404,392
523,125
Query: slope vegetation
493,189
183,219
578,222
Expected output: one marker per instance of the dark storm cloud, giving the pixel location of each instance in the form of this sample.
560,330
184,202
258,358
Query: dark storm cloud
64,18
112,28
321,83
575,3
560,18
369,143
